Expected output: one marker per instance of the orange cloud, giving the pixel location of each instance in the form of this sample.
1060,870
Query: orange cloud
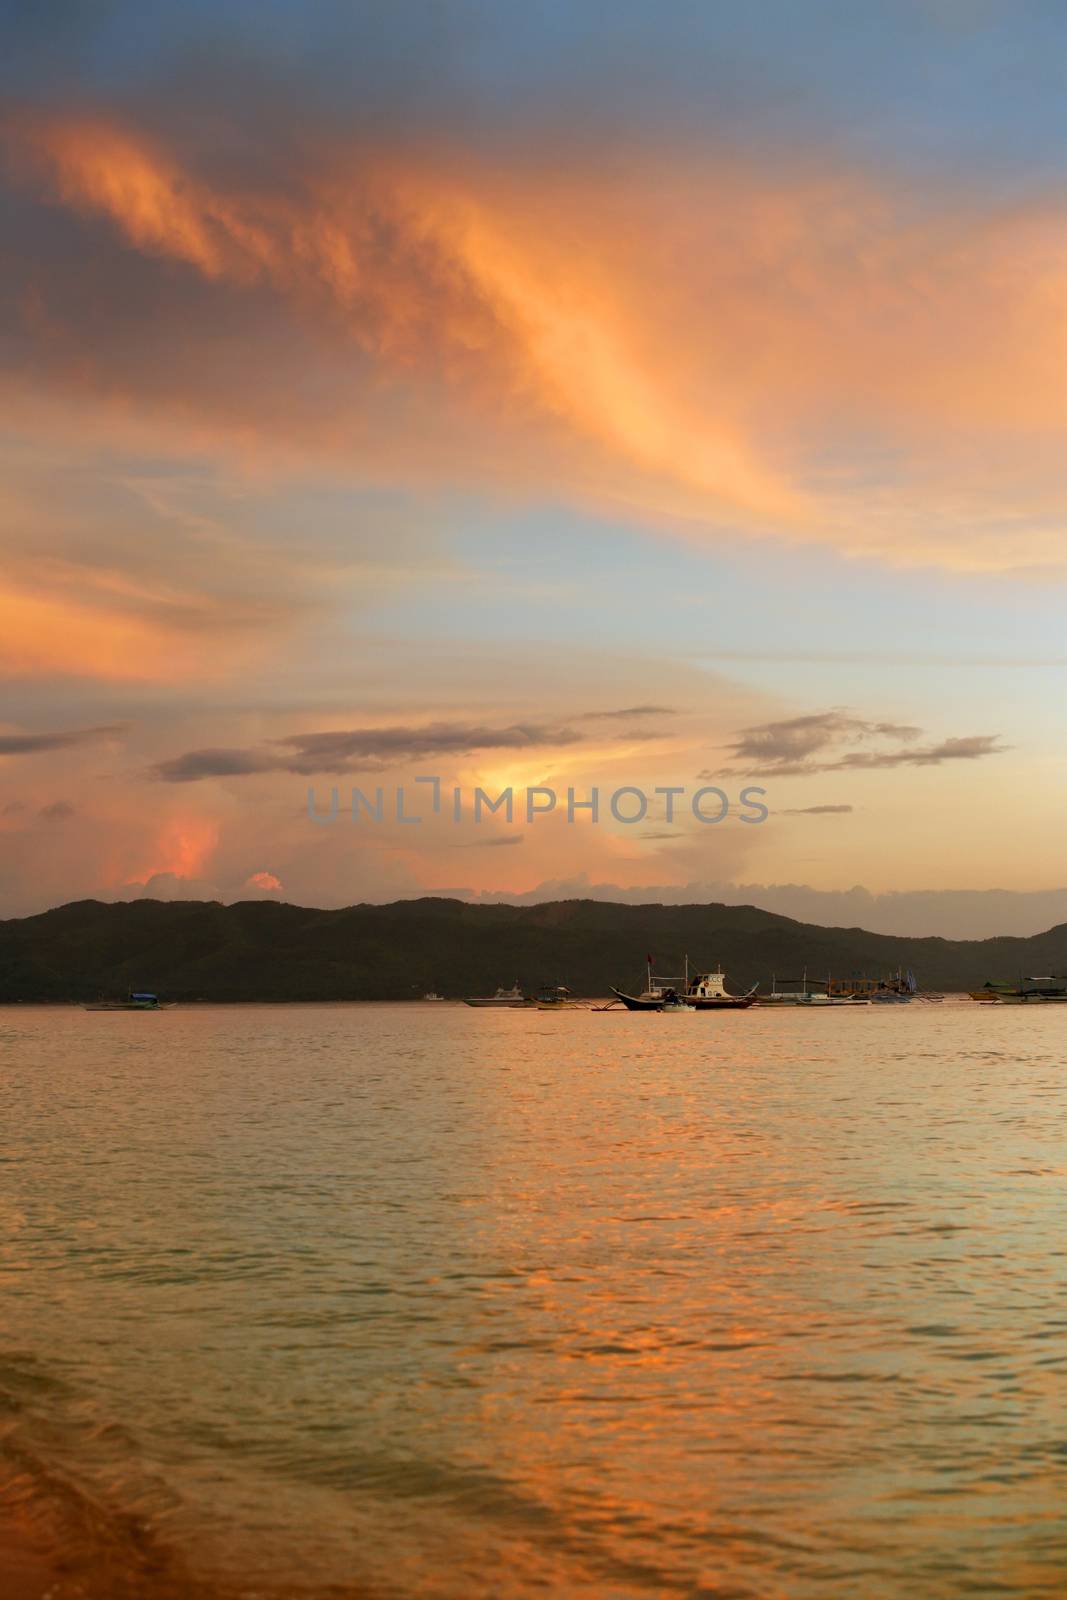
181,849
805,352
514,314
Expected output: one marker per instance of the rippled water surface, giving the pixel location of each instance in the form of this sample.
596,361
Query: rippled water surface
391,1300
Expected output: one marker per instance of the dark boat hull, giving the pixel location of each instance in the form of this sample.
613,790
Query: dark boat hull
127,1005
633,1003
740,1002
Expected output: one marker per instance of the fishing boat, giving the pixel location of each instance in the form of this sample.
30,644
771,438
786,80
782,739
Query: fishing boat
554,997
991,992
665,999
798,992
898,988
652,995
134,1001
707,992
431,994
504,997
1003,994
639,1002
659,994
1052,994
808,992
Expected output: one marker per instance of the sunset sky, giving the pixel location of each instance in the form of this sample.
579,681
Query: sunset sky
560,394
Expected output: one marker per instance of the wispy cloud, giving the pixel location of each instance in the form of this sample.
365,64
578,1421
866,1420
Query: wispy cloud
623,333
817,811
28,744
500,842
970,748
359,750
628,711
793,740
799,746
216,763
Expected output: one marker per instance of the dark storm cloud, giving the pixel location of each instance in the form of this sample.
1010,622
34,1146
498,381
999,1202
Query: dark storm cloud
359,750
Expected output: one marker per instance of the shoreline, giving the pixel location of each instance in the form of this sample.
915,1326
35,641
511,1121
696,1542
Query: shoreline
582,1002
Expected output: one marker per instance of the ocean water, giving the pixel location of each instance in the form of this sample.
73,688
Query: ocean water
421,1300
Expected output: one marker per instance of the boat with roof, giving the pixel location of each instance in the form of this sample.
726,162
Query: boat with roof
136,1000
805,991
707,991
1031,991
555,997
704,991
509,998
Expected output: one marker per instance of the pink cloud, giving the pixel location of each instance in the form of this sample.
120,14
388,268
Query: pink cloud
263,880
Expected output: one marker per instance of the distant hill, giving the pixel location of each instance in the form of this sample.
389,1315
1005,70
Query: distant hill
262,950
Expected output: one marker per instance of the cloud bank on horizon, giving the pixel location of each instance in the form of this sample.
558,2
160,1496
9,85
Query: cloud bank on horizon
518,389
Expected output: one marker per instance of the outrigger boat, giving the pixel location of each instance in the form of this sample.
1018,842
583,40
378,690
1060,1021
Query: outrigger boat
554,997
990,992
640,1002
1003,994
652,996
810,992
899,988
133,1002
705,992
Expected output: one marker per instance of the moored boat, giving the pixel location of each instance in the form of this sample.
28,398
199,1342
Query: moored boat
554,997
809,992
660,989
142,1001
654,994
1003,993
898,988
707,992
639,1002
798,992
504,997
990,992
